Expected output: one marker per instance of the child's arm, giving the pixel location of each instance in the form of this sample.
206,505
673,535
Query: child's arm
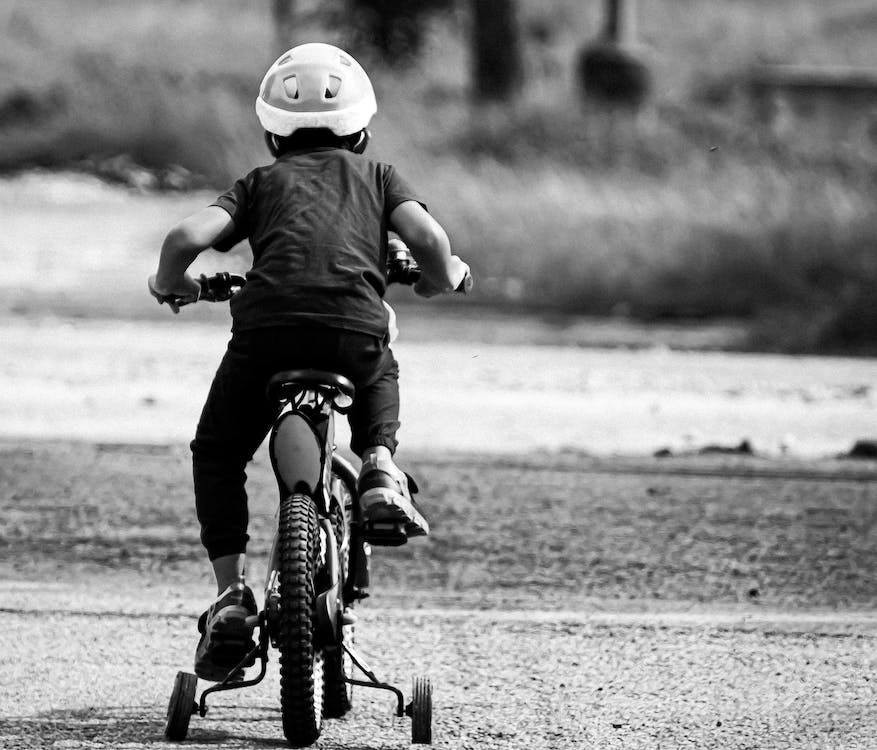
429,244
185,242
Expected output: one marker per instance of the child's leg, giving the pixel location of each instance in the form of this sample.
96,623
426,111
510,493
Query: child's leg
384,493
229,570
235,419
374,420
374,417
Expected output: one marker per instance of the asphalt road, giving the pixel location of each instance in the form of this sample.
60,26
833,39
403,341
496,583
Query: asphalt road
91,664
624,604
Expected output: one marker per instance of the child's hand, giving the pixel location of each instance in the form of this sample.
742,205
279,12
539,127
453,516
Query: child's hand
186,292
461,278
395,245
457,274
422,288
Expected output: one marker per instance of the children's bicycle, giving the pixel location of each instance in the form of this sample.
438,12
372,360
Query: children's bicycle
319,562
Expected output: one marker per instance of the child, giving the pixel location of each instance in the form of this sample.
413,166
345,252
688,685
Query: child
317,220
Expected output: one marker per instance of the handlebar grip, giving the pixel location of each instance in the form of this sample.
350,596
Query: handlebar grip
406,273
217,288
466,284
220,287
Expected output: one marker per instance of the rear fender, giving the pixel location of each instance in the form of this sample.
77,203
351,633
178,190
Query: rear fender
298,455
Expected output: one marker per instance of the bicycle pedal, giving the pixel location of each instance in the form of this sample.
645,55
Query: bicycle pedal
383,534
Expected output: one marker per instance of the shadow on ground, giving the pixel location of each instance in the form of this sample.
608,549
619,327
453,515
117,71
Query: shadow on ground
106,726
112,726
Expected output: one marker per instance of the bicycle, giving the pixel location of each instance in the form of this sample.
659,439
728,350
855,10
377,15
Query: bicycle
319,562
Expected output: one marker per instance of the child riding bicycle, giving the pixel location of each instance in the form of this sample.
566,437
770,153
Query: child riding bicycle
317,220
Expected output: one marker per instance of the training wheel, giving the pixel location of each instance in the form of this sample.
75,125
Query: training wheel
420,710
181,707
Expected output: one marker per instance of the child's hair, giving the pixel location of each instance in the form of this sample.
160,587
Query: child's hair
305,138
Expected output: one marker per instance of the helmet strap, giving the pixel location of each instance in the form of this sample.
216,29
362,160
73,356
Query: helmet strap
271,143
360,145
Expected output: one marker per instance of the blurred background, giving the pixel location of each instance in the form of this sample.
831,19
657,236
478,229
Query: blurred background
660,200
665,161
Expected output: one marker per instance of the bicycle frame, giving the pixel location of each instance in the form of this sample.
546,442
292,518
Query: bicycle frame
301,447
302,451
303,457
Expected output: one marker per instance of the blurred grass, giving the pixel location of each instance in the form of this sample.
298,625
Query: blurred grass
690,209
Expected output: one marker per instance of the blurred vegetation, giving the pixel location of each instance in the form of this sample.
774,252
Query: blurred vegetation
690,208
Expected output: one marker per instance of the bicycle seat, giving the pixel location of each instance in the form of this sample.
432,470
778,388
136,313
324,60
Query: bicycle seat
286,384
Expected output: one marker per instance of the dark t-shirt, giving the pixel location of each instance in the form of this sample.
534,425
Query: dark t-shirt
317,223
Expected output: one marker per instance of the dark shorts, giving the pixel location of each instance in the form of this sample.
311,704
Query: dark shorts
237,415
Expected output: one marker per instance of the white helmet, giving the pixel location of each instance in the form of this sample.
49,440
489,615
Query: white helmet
315,86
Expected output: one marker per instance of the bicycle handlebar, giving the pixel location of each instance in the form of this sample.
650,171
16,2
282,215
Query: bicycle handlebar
403,269
221,287
217,288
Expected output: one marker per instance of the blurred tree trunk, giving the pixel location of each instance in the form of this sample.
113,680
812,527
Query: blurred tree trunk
283,13
609,69
620,21
613,20
496,49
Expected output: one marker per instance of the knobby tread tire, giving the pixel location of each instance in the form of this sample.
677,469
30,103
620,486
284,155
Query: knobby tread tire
300,704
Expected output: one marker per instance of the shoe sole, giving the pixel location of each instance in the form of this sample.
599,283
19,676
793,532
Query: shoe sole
381,506
228,641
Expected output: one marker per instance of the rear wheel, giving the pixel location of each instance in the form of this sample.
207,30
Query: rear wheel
301,664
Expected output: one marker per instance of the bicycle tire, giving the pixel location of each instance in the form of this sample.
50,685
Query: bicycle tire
421,712
337,692
301,667
181,706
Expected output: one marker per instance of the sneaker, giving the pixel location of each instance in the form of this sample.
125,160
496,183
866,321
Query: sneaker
226,637
389,513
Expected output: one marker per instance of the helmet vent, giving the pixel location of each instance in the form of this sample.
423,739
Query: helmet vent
332,88
290,85
283,60
345,61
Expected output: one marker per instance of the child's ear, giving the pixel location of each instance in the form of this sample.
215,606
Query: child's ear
271,143
364,138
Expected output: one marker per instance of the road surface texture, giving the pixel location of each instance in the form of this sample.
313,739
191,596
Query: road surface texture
575,592
702,602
